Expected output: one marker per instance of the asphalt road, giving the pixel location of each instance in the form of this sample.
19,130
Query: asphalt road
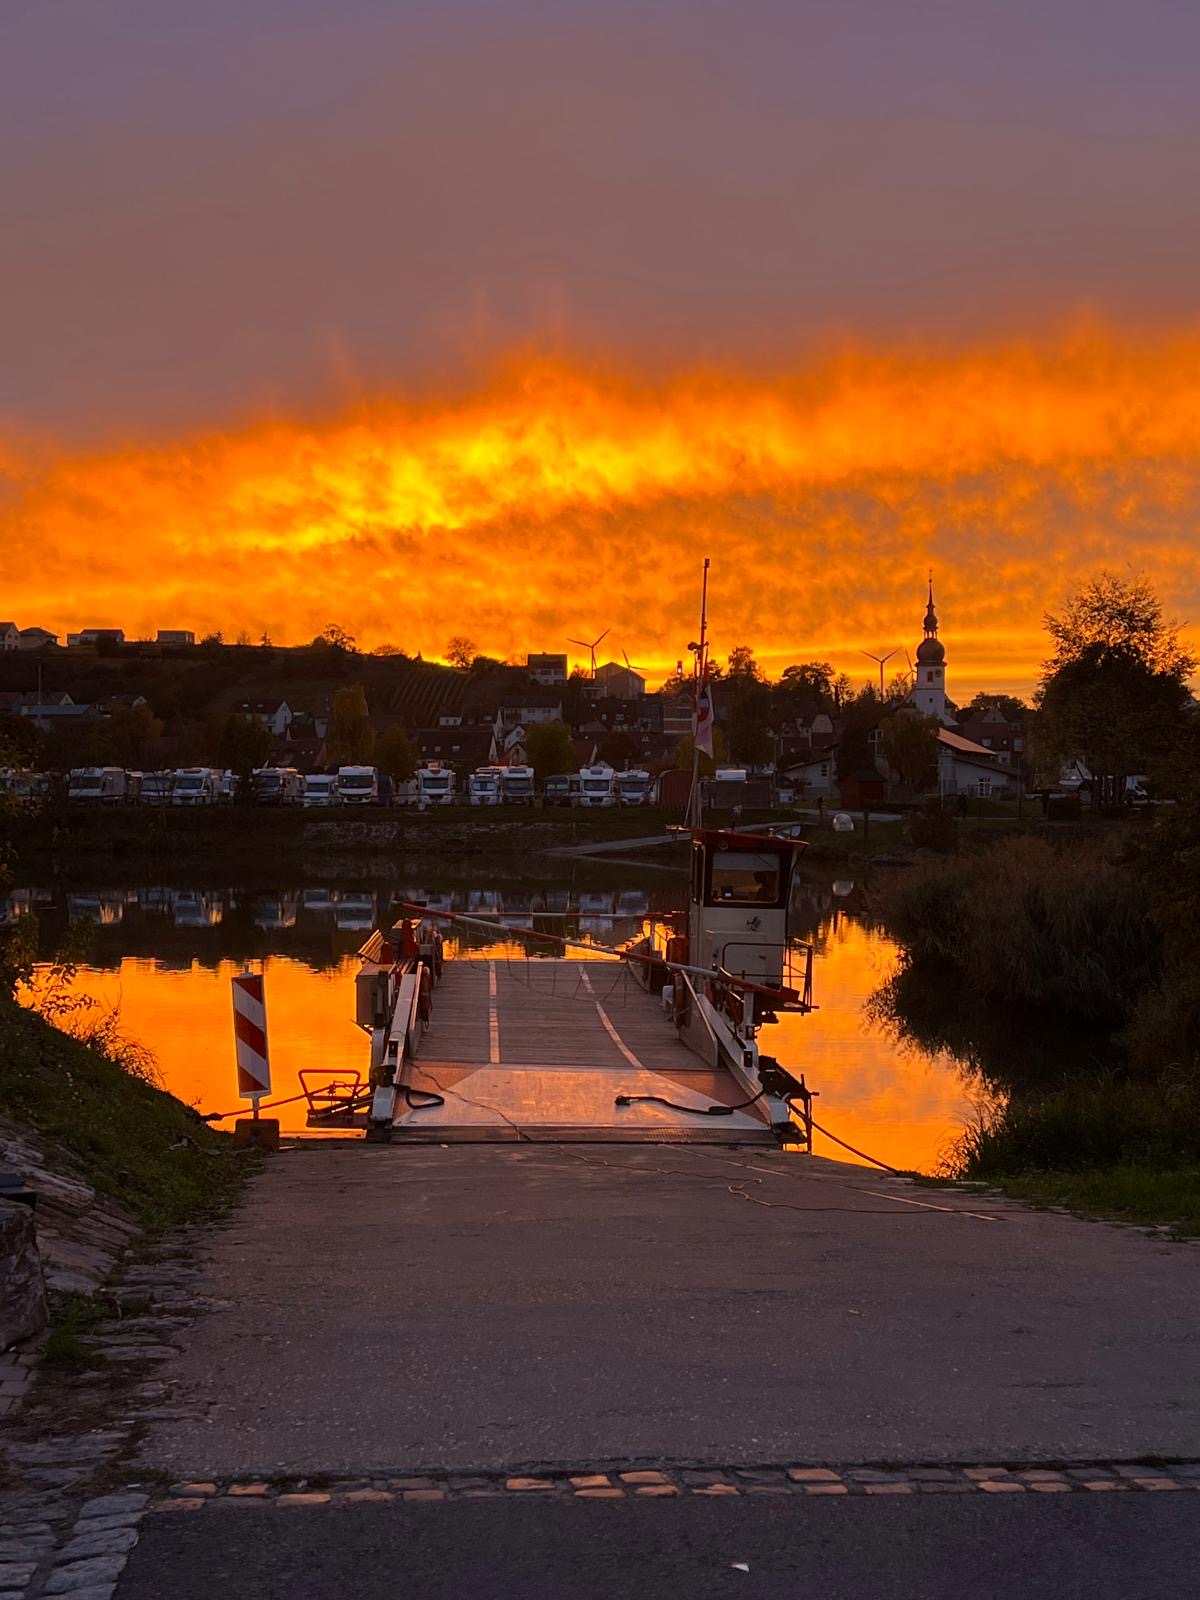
1070,1547
401,1309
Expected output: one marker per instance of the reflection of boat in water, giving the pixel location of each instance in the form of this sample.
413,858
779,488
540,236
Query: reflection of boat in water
320,902
652,1042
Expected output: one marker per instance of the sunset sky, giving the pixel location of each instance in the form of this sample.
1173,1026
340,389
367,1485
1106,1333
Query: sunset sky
495,318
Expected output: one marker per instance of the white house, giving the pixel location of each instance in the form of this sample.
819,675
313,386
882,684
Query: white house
621,683
36,638
967,768
10,636
273,714
547,670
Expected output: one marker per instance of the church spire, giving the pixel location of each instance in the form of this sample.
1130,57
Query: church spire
931,621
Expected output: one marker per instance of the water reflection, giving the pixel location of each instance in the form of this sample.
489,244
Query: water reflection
165,955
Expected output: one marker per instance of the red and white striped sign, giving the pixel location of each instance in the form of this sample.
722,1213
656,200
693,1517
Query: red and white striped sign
250,1034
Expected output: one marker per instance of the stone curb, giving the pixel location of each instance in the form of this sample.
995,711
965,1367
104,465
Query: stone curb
636,1482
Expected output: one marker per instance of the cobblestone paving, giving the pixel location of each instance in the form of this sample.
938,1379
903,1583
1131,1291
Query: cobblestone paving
71,1503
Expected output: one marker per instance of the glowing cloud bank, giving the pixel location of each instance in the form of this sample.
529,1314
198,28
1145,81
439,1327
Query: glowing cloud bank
559,498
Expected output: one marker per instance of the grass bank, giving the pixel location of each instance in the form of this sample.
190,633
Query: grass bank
130,1139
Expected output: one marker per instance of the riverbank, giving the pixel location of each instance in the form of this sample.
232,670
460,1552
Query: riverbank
114,1130
322,845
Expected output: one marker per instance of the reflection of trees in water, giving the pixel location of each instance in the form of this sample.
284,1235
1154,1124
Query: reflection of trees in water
1008,1047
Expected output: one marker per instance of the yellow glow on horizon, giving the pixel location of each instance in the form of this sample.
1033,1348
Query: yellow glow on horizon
557,498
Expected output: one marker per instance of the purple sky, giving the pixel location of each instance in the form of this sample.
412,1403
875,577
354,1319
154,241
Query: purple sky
215,207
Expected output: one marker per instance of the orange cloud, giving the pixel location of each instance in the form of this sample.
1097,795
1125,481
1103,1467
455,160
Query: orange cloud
560,498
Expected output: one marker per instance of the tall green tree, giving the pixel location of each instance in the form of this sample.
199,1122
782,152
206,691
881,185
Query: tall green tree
397,755
244,744
460,652
549,750
1114,690
351,738
134,734
909,744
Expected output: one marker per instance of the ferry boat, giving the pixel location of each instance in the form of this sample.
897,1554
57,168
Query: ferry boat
656,1040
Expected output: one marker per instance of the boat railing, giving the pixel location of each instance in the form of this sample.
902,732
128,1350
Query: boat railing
796,968
339,1101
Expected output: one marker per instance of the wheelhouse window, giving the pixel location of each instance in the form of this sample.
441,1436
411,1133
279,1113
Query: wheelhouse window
742,878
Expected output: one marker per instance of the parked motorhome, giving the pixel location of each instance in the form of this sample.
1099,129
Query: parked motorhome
320,789
597,786
436,785
483,787
96,785
561,790
196,786
358,786
278,786
516,786
156,788
633,787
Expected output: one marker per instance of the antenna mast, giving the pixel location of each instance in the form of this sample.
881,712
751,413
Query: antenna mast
699,685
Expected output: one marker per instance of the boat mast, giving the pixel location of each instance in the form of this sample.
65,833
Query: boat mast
699,683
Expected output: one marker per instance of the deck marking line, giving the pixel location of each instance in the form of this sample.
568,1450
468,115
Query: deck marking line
953,1211
611,1031
925,1205
493,1017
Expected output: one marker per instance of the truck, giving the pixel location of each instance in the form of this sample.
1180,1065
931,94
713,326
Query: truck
358,786
597,786
633,787
278,786
436,785
562,789
196,786
320,789
97,786
516,786
483,787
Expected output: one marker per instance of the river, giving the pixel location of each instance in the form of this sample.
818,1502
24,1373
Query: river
164,956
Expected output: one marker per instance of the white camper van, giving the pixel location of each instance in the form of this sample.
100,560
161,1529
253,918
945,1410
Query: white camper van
483,787
516,785
358,786
633,787
320,789
597,786
195,786
278,786
97,786
436,785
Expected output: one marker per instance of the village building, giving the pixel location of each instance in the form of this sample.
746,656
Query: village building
10,636
36,638
549,671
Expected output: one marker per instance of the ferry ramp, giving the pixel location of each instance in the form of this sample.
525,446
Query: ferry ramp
541,1049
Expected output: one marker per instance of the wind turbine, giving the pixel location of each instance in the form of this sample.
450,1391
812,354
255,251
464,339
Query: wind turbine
881,660
591,648
642,672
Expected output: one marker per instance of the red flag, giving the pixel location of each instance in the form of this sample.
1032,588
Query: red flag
702,721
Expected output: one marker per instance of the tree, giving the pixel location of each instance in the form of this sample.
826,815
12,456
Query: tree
808,680
749,720
397,755
909,744
351,738
387,650
1114,691
1012,709
708,764
619,749
460,652
549,750
334,637
742,663
243,744
134,733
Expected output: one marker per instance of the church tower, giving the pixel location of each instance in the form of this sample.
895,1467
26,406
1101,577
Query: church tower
929,686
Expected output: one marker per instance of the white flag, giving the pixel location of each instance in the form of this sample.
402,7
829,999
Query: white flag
702,722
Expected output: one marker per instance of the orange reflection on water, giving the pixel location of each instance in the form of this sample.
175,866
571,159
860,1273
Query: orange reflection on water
186,1018
898,1105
